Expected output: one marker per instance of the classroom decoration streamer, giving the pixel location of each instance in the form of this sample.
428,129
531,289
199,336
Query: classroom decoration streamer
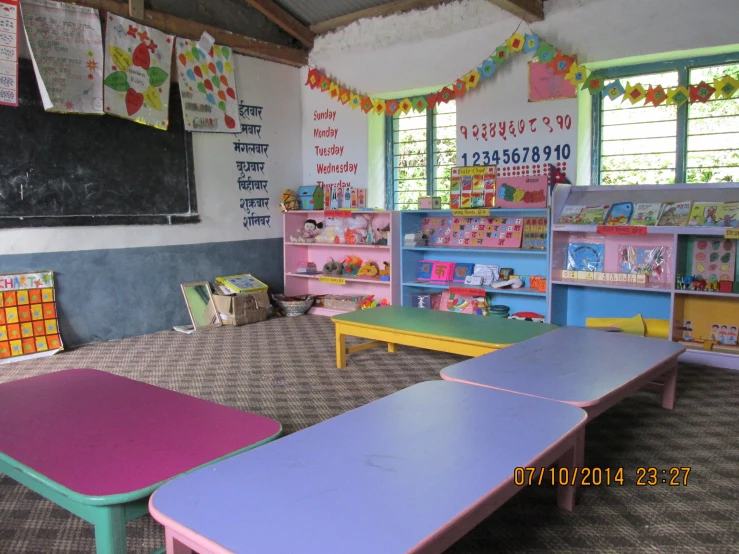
207,88
562,64
137,63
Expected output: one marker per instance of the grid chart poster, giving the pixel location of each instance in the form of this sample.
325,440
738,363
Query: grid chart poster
29,326
66,44
9,52
207,88
521,139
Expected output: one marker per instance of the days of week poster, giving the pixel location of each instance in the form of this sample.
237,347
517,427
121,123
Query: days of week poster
207,88
138,60
9,52
66,44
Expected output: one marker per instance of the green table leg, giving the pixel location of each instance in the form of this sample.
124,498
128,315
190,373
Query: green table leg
110,529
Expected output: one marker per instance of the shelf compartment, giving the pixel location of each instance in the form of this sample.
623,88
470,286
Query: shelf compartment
593,229
366,280
522,291
707,293
505,251
654,287
340,245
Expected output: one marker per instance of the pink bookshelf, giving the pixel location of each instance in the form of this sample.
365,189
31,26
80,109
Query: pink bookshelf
322,250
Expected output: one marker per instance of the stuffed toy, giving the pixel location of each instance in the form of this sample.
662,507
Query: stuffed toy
333,268
382,241
357,228
368,269
352,265
385,271
311,229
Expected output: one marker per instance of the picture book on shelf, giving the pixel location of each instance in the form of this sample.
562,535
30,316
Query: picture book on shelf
728,215
704,214
592,215
619,214
646,213
675,214
569,214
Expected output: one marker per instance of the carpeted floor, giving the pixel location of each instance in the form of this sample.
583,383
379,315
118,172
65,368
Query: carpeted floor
285,369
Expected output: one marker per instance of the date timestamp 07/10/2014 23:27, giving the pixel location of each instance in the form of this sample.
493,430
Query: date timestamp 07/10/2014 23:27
596,476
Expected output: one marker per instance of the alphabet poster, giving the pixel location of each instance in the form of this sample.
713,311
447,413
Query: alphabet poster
66,45
207,88
138,62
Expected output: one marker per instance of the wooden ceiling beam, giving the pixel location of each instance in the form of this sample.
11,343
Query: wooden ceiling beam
386,9
528,10
284,20
186,28
136,9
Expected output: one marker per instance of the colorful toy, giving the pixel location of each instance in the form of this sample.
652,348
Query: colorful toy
289,201
373,303
528,316
332,267
311,229
352,265
724,286
698,284
310,197
368,269
382,241
357,229
385,272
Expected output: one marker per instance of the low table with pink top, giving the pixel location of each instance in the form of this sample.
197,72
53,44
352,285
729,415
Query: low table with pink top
99,445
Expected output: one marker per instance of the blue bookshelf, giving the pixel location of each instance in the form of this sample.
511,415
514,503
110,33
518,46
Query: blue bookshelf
523,262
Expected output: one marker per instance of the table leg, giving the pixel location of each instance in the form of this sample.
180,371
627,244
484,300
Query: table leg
392,347
669,389
110,529
580,450
566,493
340,349
174,546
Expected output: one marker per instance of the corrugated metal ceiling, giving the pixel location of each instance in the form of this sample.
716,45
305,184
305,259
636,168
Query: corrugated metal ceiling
311,12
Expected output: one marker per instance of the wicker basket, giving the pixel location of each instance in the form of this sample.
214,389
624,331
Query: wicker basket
294,305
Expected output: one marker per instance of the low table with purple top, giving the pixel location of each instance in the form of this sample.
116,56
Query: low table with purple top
588,368
98,444
411,472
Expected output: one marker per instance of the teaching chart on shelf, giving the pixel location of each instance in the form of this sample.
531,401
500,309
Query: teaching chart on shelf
521,138
335,147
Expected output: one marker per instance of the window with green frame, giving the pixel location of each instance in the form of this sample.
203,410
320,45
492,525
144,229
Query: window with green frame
421,150
692,143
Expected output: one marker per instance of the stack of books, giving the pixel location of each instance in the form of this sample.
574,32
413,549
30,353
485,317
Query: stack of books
415,239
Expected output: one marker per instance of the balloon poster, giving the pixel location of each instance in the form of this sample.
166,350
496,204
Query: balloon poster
138,61
207,88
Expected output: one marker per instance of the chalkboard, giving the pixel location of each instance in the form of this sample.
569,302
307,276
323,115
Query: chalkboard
62,170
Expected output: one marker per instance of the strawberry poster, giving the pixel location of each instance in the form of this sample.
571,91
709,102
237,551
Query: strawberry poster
138,62
207,88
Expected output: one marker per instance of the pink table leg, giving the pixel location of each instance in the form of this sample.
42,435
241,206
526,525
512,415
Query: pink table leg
669,389
566,493
173,545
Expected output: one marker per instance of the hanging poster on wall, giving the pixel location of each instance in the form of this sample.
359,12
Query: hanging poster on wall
208,88
66,44
138,62
9,52
522,139
29,325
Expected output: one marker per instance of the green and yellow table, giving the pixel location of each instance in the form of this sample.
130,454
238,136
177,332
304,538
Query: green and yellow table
451,332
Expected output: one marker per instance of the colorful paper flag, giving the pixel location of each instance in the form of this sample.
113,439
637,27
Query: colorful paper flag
634,93
701,92
655,95
613,90
677,95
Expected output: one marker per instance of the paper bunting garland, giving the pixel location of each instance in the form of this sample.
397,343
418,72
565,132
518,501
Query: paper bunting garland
137,64
562,64
207,87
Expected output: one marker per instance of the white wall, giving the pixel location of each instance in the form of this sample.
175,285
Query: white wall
431,48
273,86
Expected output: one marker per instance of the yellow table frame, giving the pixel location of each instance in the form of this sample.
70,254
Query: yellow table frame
394,337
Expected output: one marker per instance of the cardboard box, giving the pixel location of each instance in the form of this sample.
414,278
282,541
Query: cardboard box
242,309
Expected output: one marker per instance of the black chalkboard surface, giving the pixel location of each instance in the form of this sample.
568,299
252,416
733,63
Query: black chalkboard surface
62,170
